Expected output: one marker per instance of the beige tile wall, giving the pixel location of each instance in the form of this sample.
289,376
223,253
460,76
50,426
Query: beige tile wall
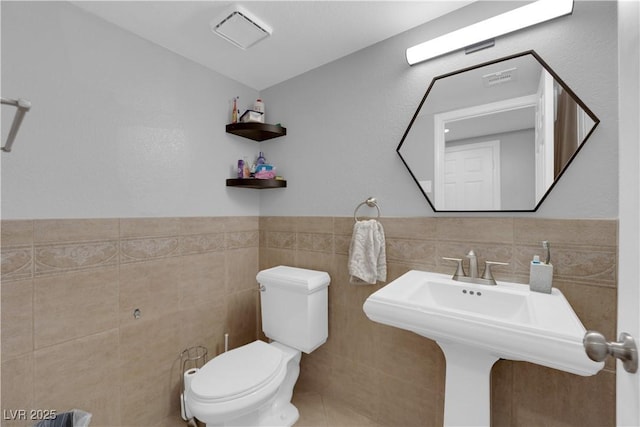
69,288
397,378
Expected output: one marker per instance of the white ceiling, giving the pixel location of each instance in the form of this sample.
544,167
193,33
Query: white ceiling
306,34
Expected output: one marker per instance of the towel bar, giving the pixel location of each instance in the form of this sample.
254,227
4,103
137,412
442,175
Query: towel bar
23,106
371,202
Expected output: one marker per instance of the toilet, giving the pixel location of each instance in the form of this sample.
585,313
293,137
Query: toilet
252,385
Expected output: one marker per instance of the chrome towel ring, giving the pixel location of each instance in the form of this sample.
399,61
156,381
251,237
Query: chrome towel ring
371,202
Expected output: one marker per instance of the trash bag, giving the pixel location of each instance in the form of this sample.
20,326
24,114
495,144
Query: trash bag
81,418
74,418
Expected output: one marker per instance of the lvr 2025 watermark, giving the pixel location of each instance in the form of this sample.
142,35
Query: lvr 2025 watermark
28,414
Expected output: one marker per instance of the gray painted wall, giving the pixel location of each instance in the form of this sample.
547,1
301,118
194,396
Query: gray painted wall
123,128
119,127
345,119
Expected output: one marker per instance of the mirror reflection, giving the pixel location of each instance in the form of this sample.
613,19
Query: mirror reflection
495,137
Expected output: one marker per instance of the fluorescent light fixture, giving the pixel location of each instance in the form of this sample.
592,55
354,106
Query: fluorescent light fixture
505,23
239,27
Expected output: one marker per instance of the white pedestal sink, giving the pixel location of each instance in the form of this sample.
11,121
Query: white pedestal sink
475,325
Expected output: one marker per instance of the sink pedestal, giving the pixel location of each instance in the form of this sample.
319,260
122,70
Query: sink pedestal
467,396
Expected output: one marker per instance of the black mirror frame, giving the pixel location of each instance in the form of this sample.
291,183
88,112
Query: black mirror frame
505,58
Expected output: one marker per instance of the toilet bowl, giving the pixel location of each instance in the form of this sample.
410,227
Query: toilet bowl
253,385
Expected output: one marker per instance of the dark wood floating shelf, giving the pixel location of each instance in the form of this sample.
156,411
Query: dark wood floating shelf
256,131
256,183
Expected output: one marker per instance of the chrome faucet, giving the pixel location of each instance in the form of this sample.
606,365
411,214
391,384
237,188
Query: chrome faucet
473,264
487,276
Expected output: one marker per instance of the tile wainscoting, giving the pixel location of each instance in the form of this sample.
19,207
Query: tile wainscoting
395,377
69,288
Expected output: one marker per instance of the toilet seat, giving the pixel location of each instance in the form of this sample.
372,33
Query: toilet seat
237,373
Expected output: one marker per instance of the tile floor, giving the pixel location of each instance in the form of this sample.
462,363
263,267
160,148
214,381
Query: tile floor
319,411
315,411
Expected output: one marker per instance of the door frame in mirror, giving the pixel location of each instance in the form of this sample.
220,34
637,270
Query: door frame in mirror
440,120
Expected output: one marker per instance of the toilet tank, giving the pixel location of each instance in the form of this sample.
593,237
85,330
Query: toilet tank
294,304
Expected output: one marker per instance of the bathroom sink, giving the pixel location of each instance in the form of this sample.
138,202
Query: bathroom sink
446,294
475,325
507,320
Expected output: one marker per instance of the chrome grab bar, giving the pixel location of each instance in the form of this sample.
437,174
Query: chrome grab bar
23,106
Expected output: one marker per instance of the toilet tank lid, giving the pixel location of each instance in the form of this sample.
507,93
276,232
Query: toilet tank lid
296,279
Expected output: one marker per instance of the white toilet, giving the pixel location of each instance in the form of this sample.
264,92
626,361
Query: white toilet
252,385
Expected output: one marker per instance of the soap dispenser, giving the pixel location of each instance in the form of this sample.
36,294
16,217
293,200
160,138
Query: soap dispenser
541,273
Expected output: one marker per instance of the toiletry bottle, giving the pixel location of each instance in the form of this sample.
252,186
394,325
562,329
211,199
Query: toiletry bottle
261,160
259,106
240,168
541,273
245,170
234,112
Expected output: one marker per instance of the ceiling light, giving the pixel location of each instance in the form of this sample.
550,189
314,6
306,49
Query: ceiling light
240,27
522,17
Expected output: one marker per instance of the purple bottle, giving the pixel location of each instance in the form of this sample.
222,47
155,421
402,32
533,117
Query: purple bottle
240,168
261,160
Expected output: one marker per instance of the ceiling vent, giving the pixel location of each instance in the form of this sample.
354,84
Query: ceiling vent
499,77
240,27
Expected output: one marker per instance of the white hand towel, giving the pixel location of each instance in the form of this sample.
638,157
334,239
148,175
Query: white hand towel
367,257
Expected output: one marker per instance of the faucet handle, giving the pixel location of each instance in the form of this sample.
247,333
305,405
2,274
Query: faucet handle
487,269
460,269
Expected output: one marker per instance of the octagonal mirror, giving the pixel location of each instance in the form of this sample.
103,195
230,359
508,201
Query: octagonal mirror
495,137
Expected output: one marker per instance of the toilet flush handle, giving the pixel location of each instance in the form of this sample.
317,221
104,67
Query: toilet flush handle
261,288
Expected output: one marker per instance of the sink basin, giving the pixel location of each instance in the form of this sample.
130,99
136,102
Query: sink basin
475,325
446,294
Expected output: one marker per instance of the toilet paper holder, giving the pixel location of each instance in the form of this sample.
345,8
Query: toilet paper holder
191,359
